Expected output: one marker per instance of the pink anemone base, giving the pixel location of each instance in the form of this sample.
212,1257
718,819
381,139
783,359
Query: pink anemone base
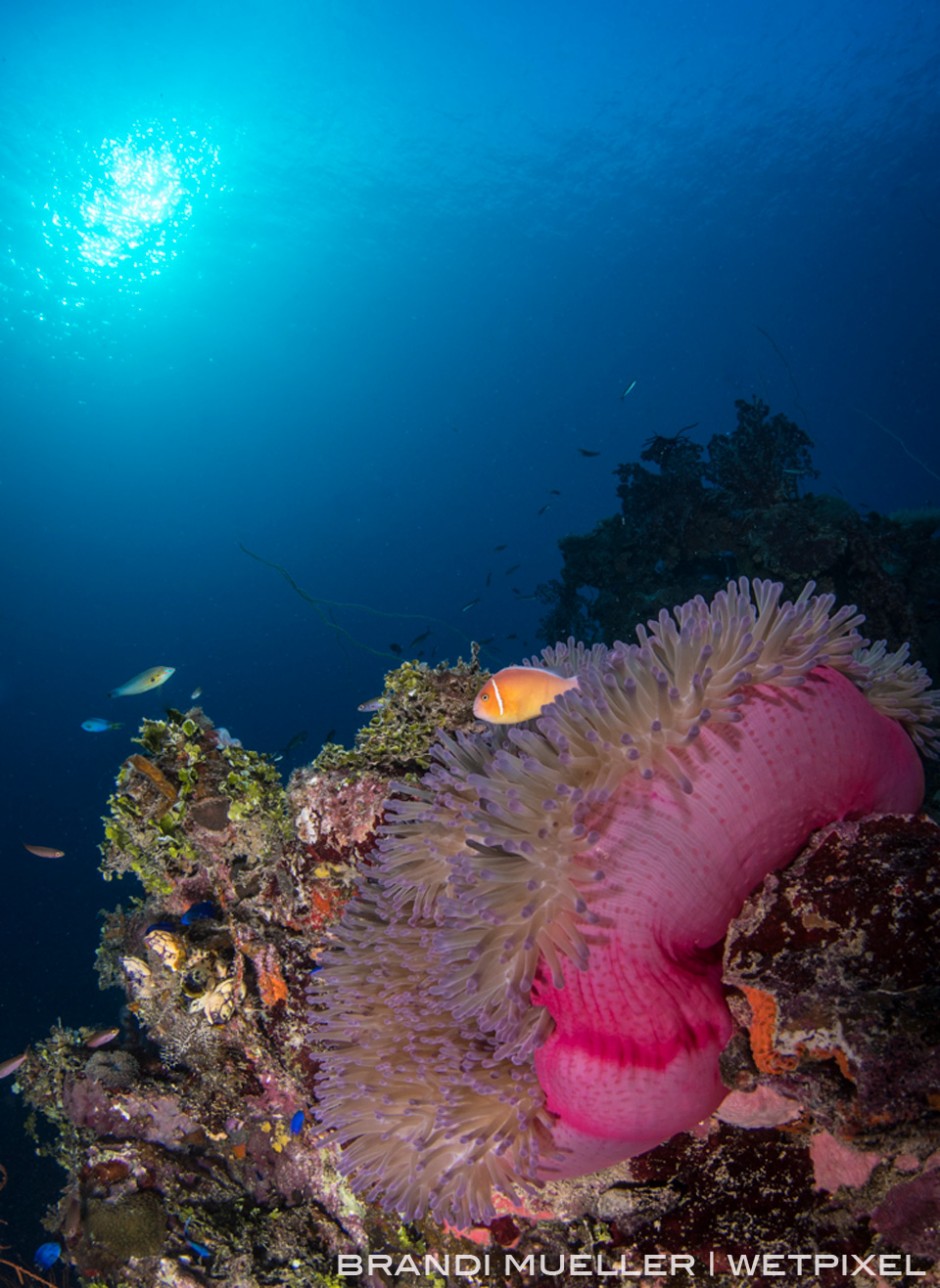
633,1057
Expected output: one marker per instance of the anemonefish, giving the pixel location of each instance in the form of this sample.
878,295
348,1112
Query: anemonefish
519,693
143,683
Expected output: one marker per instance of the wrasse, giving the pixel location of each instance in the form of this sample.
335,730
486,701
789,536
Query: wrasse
143,683
98,725
100,1038
296,740
518,693
44,851
10,1066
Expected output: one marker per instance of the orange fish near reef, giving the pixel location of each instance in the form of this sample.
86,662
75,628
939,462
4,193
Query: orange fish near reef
518,693
44,851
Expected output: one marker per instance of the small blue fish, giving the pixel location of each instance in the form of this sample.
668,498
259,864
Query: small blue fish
205,910
152,678
297,1123
47,1254
200,1249
97,725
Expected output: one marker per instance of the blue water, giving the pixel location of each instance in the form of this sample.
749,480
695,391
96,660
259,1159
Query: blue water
350,283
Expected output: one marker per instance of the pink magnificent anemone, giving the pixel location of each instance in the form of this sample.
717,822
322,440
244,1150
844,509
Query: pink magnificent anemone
527,985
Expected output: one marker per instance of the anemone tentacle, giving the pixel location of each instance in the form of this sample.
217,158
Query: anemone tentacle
528,983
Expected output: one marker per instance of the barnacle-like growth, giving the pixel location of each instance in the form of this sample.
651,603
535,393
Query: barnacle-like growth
528,984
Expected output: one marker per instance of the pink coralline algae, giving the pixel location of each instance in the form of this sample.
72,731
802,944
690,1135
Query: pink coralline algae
334,816
529,984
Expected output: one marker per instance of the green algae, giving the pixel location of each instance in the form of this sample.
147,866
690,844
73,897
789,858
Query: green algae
417,702
151,836
252,785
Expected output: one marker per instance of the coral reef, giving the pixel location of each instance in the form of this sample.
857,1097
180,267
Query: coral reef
189,1139
188,1132
693,516
545,905
835,979
417,701
835,958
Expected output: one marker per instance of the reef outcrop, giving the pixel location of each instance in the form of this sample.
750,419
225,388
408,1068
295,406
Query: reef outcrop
547,906
692,515
214,1136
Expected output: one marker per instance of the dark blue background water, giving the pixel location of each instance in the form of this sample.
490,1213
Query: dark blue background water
350,284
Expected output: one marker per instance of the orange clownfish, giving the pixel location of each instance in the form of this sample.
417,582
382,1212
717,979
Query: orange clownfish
519,693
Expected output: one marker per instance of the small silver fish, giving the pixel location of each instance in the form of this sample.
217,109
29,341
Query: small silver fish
630,387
